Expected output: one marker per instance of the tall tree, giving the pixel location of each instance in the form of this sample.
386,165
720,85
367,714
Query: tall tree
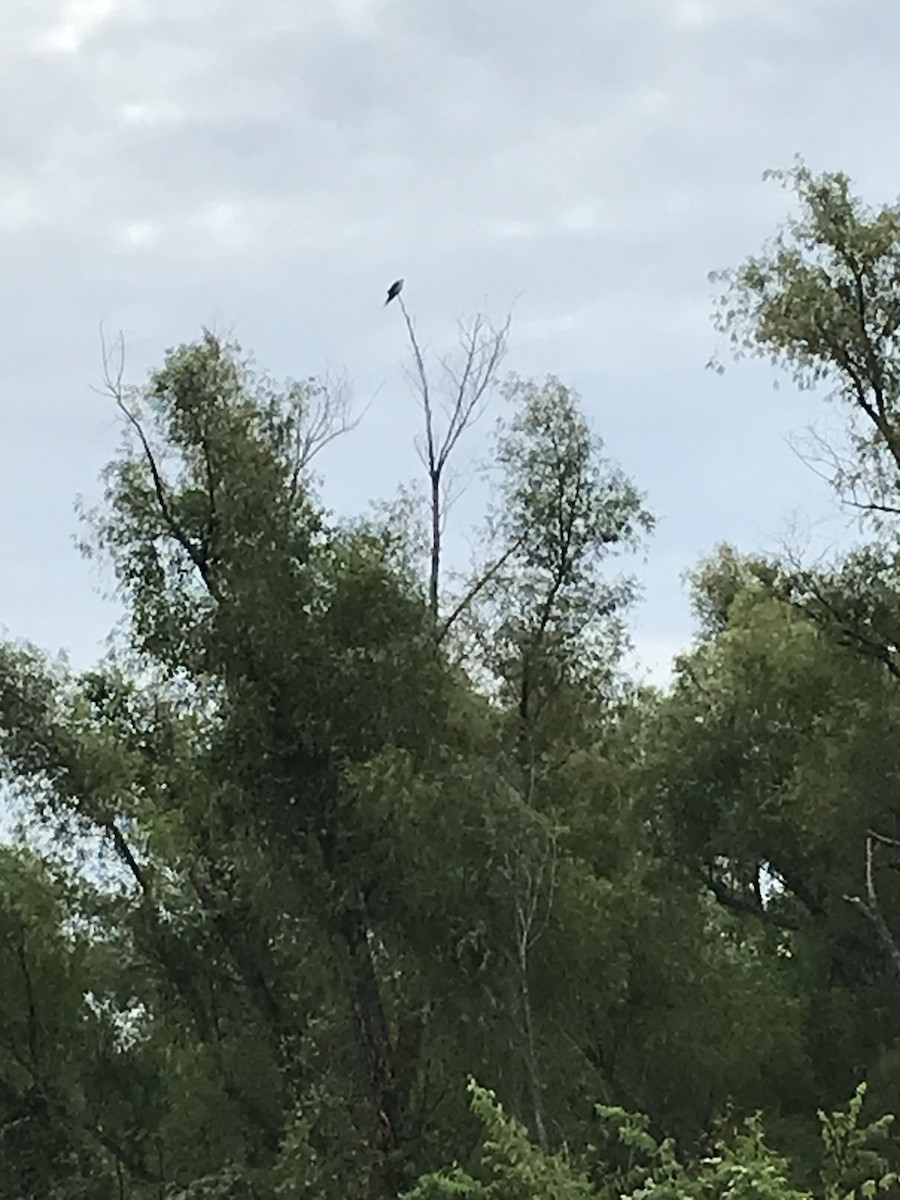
552,620
764,769
341,874
823,300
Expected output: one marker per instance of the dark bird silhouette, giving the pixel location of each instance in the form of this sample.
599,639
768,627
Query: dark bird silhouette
394,290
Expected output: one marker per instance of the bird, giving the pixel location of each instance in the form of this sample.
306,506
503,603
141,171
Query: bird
394,290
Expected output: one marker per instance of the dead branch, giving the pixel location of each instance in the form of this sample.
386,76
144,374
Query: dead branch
115,389
533,881
468,381
322,413
869,905
478,586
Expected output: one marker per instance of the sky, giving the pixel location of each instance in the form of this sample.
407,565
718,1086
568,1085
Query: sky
269,168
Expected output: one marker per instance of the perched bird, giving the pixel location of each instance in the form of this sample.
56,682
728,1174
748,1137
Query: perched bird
394,290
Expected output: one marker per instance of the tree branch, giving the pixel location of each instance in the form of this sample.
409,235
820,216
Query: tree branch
482,347
869,906
479,586
196,554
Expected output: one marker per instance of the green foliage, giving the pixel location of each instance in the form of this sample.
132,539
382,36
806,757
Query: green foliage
855,1163
316,847
763,772
554,620
305,859
823,300
631,1164
509,1166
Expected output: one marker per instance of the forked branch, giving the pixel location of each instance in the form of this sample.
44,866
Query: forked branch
868,904
114,387
469,377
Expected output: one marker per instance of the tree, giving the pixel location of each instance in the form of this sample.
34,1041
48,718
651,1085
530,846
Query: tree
551,623
764,771
338,864
545,634
303,799
823,300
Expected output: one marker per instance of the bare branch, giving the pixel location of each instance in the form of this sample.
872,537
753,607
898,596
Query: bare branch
422,386
872,506
533,879
322,413
124,851
884,841
115,389
478,586
867,645
869,906
482,347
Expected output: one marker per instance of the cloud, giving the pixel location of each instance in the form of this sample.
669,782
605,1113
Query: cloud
76,21
167,162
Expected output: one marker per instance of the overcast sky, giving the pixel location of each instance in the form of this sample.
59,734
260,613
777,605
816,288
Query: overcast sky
270,167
